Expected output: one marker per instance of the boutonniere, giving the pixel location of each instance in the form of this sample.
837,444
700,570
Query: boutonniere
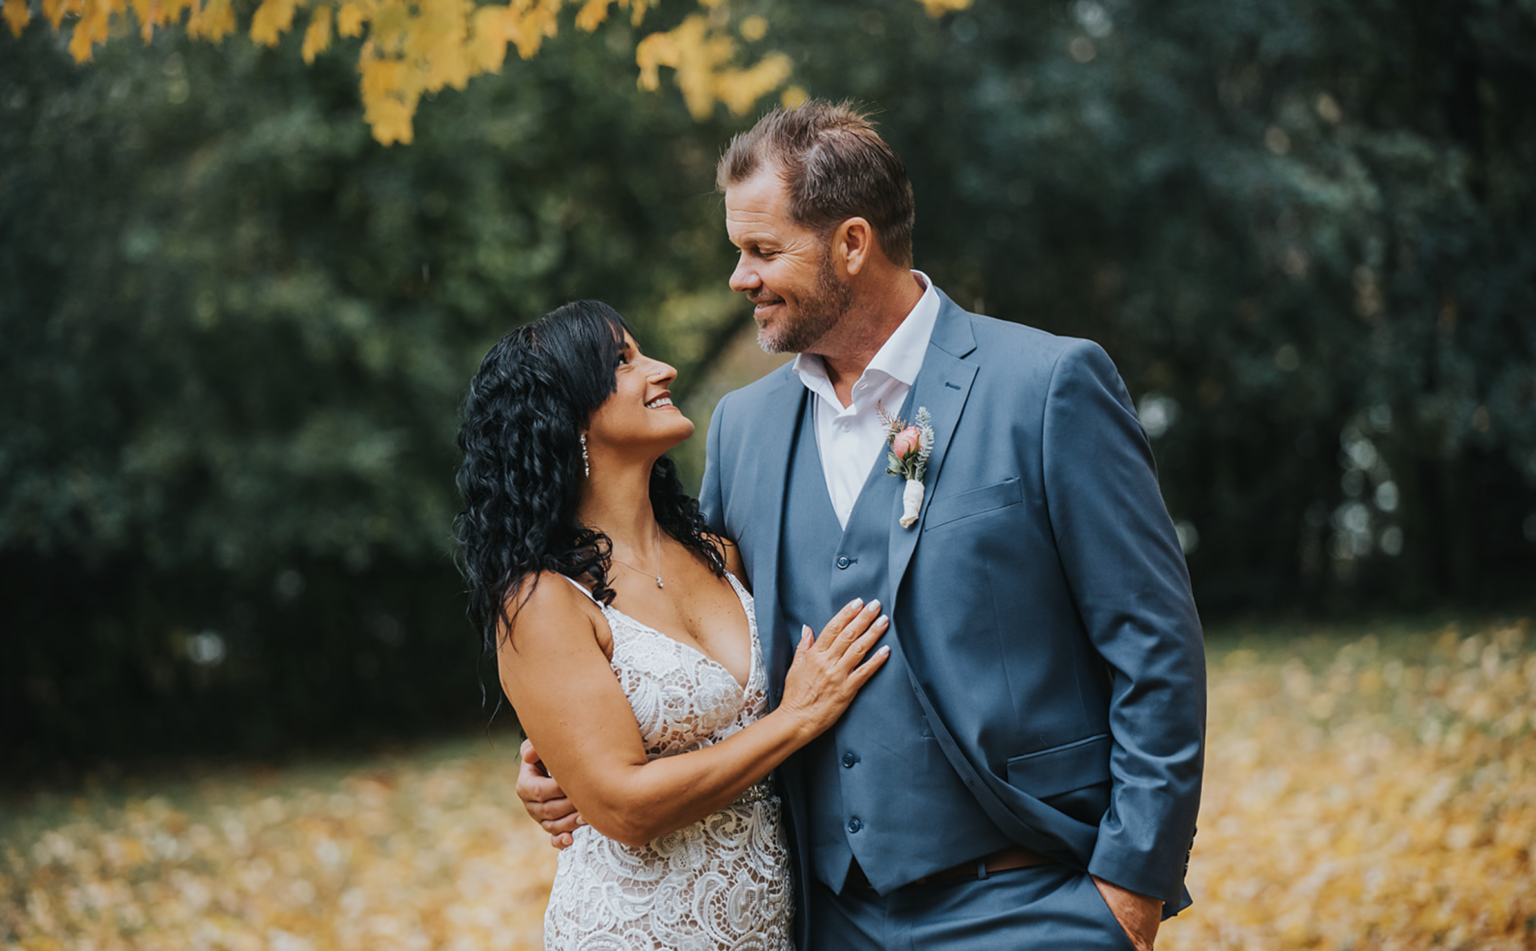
908,458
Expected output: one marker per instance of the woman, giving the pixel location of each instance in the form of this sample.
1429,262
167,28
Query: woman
629,648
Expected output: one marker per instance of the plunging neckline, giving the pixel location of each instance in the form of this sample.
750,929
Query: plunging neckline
752,648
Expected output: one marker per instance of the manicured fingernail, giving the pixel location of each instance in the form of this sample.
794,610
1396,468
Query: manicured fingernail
856,603
884,650
883,619
805,630
874,605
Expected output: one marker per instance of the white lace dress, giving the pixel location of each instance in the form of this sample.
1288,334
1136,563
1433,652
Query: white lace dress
721,883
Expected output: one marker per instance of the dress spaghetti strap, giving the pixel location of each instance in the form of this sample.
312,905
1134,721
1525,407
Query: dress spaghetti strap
582,588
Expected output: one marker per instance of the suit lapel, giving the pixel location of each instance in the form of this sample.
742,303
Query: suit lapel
766,460
943,386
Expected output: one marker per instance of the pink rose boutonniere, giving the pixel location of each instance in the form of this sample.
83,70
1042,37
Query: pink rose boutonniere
908,458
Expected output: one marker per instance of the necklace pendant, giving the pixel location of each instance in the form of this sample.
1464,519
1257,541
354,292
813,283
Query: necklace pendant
658,582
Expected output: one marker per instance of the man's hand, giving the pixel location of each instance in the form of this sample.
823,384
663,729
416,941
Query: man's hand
1138,915
545,800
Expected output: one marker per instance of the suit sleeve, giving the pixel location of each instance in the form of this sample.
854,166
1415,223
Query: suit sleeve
1131,586
711,503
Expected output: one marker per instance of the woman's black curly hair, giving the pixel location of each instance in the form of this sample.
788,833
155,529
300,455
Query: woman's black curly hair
521,476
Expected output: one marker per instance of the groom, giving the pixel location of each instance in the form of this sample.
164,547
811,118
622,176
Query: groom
1025,772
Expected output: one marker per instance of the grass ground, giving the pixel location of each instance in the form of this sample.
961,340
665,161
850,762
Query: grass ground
1366,788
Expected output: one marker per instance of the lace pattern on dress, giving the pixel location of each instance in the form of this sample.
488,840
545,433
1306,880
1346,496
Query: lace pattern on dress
721,883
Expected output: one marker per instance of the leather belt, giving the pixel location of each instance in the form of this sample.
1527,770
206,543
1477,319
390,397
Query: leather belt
1003,860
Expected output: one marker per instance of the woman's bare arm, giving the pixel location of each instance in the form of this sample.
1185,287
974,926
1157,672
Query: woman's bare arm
542,797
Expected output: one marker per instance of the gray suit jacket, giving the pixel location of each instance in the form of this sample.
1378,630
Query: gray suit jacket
1042,598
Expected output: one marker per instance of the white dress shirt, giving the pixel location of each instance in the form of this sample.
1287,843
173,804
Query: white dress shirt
852,439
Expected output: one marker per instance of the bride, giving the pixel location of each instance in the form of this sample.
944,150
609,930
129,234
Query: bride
628,646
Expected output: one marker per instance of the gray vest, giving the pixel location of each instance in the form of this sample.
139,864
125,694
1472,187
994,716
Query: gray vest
878,787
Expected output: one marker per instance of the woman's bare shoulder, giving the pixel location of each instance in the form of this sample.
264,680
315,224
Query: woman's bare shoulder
545,609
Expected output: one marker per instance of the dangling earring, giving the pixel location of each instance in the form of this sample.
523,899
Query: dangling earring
586,464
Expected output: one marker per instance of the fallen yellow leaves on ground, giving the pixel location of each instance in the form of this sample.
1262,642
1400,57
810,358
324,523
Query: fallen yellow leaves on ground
1379,794
1361,793
422,853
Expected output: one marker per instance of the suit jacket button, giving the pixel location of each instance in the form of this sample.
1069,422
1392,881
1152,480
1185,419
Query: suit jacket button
842,561
848,760
854,824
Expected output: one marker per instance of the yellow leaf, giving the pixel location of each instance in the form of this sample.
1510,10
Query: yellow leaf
53,12
390,120
741,89
349,20
488,38
271,20
212,22
90,29
318,35
381,78
445,63
592,14
794,96
388,25
701,58
16,15
651,53
754,28
530,29
937,8
143,11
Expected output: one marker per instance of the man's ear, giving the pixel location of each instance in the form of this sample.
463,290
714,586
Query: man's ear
852,244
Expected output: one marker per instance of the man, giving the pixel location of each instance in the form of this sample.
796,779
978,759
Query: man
1026,771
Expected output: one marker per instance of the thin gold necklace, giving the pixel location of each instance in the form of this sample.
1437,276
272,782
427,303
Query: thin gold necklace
642,571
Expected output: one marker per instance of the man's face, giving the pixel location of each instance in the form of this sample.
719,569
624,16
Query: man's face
785,268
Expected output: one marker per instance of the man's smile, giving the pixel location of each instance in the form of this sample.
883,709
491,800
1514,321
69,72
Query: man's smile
765,302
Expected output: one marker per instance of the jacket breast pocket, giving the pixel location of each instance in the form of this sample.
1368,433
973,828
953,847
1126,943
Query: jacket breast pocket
951,508
1061,768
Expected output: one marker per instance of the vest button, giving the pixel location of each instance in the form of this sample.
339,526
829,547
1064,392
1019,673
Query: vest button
842,561
848,760
854,824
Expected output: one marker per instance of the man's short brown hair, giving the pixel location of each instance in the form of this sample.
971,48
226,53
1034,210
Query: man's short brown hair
836,167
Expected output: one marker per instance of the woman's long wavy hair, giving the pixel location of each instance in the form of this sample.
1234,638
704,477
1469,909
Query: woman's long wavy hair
521,476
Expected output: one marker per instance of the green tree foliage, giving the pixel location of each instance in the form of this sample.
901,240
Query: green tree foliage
1306,232
237,334
236,330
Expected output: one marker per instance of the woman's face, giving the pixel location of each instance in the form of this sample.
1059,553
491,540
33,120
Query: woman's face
638,417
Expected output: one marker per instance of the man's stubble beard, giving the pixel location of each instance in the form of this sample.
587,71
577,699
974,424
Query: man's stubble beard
818,315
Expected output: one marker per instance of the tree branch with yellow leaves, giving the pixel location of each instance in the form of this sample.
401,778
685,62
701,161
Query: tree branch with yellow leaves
411,48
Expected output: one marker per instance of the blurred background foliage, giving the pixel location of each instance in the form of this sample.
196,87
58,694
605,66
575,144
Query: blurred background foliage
236,330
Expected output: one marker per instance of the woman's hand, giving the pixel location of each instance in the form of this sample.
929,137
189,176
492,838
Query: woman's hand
828,671
544,800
